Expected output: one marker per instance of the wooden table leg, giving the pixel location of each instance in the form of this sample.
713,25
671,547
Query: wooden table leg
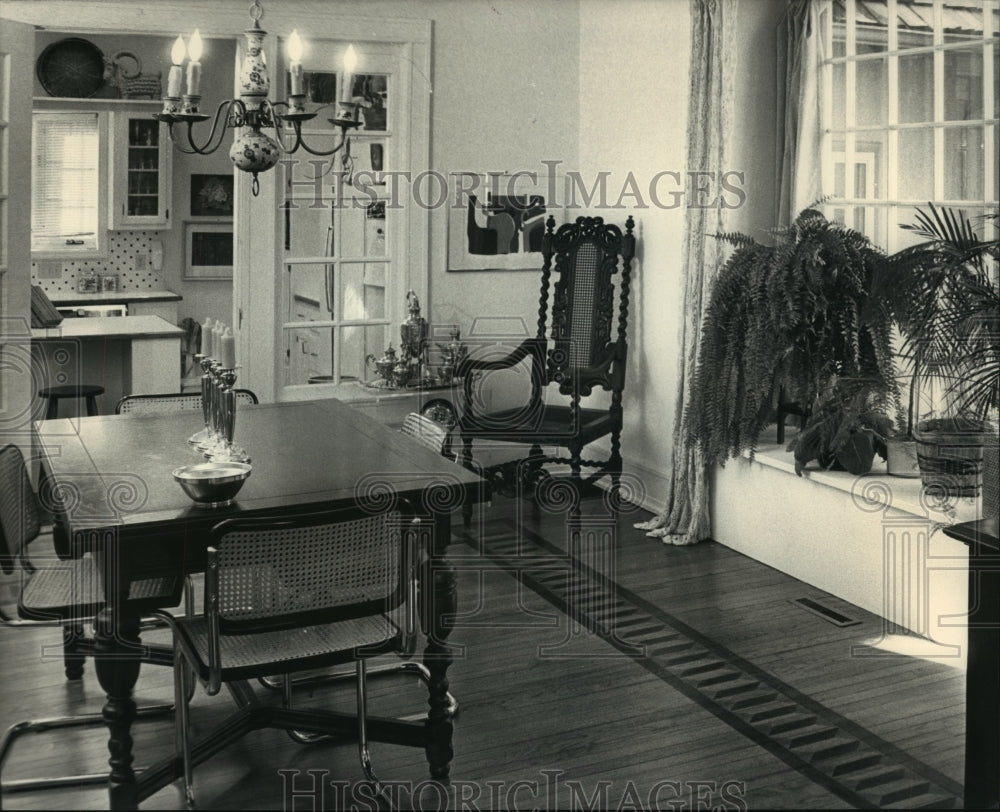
116,660
440,575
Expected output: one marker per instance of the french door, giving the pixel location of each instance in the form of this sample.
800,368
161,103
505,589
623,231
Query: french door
16,380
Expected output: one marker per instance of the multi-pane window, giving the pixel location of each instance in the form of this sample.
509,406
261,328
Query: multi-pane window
909,90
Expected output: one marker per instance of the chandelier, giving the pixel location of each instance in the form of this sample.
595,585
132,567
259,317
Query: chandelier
253,150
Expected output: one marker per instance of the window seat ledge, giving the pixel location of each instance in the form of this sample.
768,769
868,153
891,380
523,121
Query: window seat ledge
874,541
874,489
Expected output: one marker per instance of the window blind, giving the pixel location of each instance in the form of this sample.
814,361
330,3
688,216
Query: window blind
65,179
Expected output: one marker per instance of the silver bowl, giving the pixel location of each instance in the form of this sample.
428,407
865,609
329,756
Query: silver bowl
212,484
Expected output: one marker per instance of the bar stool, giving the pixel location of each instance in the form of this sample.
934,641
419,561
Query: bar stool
53,394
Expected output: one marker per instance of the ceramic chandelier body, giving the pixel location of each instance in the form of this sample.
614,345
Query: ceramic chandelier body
253,150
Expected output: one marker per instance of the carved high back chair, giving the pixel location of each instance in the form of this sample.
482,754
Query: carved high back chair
580,346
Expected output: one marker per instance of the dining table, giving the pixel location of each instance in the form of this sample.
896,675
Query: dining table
110,482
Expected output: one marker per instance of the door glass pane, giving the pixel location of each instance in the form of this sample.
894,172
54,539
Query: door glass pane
309,177
352,231
310,292
375,231
360,347
916,87
308,231
309,355
915,165
362,291
963,84
963,163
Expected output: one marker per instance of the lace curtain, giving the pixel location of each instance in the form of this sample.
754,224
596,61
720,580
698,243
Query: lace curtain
685,520
800,54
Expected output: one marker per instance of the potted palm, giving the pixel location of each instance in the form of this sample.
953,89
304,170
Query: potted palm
948,309
797,315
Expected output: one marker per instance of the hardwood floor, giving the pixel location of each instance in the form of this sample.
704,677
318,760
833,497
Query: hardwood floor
632,674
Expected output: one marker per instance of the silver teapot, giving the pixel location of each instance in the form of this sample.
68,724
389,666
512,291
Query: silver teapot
385,366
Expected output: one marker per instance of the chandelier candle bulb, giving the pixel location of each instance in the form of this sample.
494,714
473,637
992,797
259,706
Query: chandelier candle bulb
194,66
176,75
350,63
295,64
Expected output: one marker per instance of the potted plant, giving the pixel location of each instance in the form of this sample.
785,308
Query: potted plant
948,309
798,315
846,429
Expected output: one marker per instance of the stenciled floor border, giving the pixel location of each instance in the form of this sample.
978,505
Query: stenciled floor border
840,755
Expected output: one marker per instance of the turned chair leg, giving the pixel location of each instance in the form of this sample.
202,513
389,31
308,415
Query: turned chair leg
466,462
615,466
73,659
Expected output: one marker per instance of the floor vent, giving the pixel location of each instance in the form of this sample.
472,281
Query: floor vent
825,612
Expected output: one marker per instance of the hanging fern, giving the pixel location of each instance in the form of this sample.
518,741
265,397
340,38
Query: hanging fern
797,314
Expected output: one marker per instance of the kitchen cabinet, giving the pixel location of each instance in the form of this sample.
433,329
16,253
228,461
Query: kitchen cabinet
140,157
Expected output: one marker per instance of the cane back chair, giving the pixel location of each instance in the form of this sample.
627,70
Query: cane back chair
432,435
64,593
136,405
285,595
580,345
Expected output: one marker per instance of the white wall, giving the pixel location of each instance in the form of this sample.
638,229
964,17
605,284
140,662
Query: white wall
634,69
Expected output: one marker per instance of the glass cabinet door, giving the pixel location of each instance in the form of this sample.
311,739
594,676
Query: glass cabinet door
141,154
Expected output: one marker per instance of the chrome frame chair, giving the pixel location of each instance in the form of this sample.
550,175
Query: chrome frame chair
343,580
170,402
63,596
428,432
434,436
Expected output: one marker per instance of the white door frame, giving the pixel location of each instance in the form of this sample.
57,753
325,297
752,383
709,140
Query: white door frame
17,379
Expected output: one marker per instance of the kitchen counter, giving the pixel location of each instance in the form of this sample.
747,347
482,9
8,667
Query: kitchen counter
127,355
109,328
70,298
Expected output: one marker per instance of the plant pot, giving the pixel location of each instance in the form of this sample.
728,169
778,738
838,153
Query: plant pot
901,457
950,454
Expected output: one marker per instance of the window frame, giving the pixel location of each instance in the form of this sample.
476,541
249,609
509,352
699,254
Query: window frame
888,209
98,248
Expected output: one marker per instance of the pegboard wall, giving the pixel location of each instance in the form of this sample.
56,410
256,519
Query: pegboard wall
128,256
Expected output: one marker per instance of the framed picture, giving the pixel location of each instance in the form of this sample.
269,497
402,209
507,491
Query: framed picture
208,251
496,221
212,195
